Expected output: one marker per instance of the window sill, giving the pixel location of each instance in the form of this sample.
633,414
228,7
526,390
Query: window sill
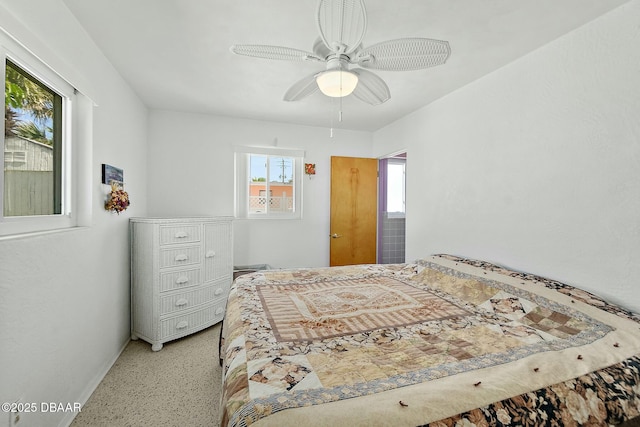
271,217
395,215
39,233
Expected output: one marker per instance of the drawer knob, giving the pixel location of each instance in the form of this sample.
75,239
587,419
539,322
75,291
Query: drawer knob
182,325
210,254
219,311
182,280
181,235
218,291
181,302
181,257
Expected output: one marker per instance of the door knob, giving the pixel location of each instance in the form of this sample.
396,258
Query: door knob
335,235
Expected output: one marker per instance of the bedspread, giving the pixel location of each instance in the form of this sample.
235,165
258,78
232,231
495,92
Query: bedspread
439,341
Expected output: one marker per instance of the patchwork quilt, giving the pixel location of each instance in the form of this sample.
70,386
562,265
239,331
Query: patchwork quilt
445,341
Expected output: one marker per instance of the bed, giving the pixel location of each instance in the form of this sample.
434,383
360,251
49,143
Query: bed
444,341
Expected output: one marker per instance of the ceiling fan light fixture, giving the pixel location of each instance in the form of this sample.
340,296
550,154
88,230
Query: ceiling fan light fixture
342,25
337,83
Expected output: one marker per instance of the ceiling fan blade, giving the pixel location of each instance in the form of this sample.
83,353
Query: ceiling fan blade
342,24
302,88
371,88
404,54
274,52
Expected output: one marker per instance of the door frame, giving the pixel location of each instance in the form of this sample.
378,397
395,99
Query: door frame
382,198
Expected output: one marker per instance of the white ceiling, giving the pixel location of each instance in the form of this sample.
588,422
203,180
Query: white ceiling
175,53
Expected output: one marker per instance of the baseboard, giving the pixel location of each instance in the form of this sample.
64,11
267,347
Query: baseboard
93,385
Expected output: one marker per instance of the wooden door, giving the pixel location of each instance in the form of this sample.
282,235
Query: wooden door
354,204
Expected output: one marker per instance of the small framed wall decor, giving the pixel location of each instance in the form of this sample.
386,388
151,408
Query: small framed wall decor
117,199
310,169
111,174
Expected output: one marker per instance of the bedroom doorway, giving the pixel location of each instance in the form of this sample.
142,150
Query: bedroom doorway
391,209
354,200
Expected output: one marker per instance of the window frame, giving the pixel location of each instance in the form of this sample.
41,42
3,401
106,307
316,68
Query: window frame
71,169
242,155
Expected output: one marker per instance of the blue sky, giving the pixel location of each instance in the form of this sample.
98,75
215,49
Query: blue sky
24,116
258,168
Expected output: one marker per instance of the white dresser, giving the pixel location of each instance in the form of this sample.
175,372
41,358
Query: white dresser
181,272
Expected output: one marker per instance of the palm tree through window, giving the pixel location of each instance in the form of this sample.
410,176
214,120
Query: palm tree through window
32,145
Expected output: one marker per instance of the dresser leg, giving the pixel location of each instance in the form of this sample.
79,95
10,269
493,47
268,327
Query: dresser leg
156,347
134,337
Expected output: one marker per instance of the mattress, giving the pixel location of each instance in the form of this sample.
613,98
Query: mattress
443,341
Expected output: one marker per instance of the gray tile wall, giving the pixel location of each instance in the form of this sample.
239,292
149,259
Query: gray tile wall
393,237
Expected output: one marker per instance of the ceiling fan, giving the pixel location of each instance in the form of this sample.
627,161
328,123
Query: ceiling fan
342,25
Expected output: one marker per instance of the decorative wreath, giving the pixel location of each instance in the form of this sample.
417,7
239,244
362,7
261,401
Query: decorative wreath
118,200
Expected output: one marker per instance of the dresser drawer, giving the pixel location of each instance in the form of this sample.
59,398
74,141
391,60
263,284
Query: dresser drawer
186,300
179,233
179,279
187,323
183,255
220,289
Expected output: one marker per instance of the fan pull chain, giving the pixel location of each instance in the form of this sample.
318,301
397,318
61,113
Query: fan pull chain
331,115
339,120
340,109
332,100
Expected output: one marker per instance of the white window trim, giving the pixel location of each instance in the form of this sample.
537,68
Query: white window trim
242,179
76,164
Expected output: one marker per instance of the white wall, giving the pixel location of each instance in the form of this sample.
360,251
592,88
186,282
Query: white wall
64,297
537,165
191,172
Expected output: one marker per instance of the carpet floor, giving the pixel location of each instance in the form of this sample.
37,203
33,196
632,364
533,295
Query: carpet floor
179,385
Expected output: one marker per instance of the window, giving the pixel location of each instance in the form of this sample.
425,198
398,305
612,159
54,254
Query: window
37,170
33,124
19,157
396,188
268,182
